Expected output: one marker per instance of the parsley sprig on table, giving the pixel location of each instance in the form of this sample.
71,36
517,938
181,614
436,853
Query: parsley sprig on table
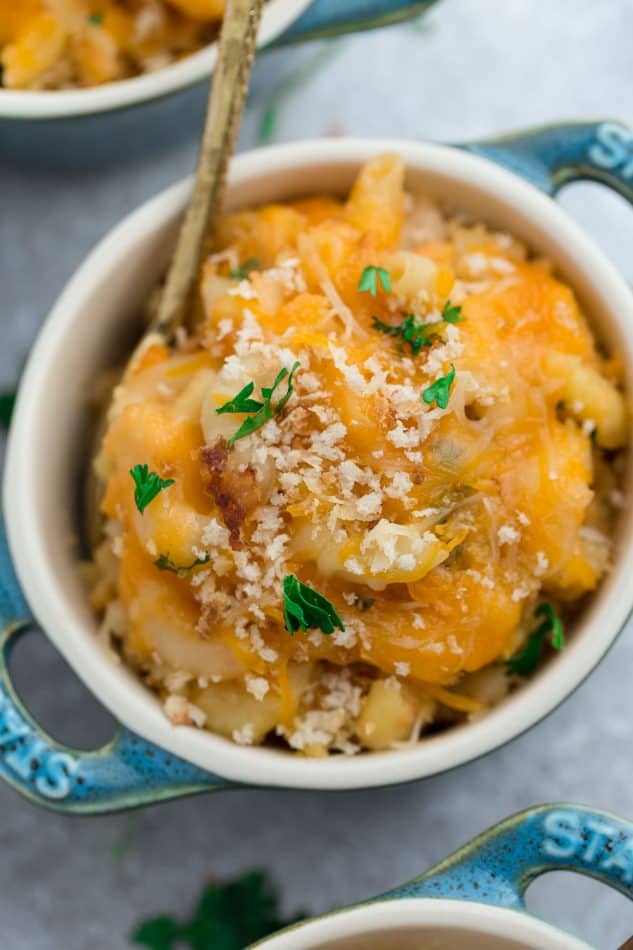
164,563
7,404
371,277
551,627
147,485
306,609
262,411
439,392
228,916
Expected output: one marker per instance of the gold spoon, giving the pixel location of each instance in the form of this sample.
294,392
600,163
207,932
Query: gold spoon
236,51
228,93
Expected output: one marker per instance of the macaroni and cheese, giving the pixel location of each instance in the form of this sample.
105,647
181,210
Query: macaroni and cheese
64,44
358,501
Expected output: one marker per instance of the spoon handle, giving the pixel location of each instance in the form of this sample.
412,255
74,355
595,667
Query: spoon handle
228,93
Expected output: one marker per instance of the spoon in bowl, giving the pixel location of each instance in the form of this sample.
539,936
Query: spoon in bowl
236,52
226,101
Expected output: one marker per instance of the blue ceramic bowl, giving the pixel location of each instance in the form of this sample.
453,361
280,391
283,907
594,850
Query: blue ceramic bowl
475,897
93,324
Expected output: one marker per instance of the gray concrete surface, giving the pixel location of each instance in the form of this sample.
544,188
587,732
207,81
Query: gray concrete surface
476,67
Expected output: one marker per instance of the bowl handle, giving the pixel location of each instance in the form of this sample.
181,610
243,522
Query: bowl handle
498,866
553,155
325,18
125,773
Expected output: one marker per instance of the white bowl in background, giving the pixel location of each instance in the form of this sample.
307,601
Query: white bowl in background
423,924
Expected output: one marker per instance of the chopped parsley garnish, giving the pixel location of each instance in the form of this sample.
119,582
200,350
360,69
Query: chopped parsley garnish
96,19
439,392
263,411
370,278
551,627
415,334
306,609
452,313
242,272
409,331
147,485
228,916
164,563
365,603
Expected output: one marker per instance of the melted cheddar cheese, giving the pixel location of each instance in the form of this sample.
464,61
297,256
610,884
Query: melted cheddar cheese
433,531
60,44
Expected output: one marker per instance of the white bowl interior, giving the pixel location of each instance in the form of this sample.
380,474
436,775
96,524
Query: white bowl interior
94,322
26,104
422,924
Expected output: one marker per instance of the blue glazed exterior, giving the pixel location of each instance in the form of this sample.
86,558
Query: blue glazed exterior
551,156
498,866
325,18
126,773
130,771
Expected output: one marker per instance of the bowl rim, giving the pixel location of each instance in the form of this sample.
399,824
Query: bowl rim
408,912
26,105
131,702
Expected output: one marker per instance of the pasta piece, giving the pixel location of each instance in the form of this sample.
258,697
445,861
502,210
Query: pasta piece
233,712
388,554
204,10
37,48
387,716
377,199
591,397
411,275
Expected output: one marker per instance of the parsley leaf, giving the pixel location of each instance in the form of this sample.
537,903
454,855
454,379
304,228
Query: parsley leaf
96,19
242,402
164,563
305,608
439,392
415,334
452,313
242,272
147,485
527,659
263,411
371,276
228,916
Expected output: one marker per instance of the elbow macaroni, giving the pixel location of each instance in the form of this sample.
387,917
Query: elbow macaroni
412,276
591,398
